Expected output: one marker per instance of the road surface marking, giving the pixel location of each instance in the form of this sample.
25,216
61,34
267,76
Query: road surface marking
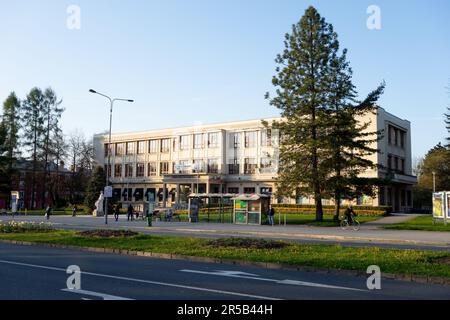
243,275
143,281
106,297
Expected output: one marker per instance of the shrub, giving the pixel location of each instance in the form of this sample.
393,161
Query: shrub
310,209
247,243
24,227
107,234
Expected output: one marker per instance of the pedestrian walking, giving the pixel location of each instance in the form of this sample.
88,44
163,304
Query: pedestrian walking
116,212
130,212
271,215
48,212
74,211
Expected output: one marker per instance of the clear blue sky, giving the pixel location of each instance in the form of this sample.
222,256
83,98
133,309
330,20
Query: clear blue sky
207,61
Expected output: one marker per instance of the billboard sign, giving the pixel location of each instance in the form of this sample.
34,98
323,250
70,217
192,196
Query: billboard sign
439,205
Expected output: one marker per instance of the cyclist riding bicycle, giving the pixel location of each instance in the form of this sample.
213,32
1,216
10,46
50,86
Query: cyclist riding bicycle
349,214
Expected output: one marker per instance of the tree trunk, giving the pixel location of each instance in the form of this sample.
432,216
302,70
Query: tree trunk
337,206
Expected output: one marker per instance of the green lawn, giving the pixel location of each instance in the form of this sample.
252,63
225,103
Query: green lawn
406,262
424,223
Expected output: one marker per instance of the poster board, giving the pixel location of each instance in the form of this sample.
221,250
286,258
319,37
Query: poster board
441,202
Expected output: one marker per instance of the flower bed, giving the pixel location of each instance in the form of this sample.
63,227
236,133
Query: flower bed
24,227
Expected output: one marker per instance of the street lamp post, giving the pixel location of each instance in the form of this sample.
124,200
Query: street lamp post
434,182
111,100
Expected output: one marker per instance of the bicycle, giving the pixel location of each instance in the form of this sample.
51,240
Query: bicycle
345,224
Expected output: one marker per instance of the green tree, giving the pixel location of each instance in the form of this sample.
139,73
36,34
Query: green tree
436,161
302,95
33,132
95,187
51,112
10,125
350,142
5,186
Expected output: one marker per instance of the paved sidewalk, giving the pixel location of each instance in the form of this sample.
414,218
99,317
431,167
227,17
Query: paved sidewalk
368,235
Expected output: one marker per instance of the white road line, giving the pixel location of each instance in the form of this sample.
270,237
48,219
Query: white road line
242,275
106,297
143,281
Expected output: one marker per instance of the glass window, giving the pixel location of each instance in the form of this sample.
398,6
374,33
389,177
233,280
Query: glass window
120,149
165,145
152,169
184,143
267,165
140,170
141,147
153,146
235,140
213,166
106,149
199,166
108,169
233,190
118,171
131,148
128,170
213,140
234,167
164,168
198,141
250,139
249,166
249,190
266,138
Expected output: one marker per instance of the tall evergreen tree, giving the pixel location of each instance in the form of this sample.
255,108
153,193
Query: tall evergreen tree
10,125
52,112
33,133
302,95
349,140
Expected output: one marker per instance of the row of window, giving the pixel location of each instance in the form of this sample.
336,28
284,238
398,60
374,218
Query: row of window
184,167
396,136
396,164
213,142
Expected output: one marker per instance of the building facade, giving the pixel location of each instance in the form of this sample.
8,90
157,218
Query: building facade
234,158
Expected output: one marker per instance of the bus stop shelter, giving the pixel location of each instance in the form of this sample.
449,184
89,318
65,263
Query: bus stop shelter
251,209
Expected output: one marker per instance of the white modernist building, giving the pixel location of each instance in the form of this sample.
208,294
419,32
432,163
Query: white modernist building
236,158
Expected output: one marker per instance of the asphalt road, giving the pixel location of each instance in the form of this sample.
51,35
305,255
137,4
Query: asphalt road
367,236
39,273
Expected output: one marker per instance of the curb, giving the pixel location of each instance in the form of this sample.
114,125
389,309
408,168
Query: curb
264,265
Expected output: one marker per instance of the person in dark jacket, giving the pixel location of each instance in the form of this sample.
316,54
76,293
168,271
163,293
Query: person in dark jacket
116,212
130,212
350,214
271,215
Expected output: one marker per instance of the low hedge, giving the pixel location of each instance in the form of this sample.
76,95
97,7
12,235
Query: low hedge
308,209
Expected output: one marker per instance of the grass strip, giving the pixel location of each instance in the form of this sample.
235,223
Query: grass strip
423,223
393,261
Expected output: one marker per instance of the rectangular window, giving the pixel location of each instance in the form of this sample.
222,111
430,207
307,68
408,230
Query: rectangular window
233,190
165,145
164,168
249,166
213,140
198,141
140,170
249,190
266,138
184,143
128,170
250,139
152,169
141,147
389,164
106,150
402,139
199,166
234,168
153,146
235,140
213,166
183,167
266,165
131,148
382,194
396,164
120,149
118,171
